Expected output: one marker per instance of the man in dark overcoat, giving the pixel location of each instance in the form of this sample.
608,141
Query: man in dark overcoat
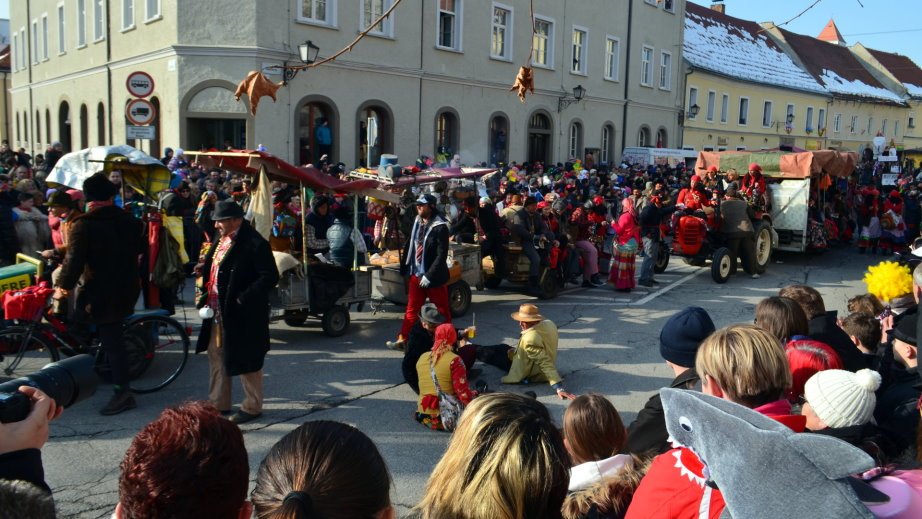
103,247
238,272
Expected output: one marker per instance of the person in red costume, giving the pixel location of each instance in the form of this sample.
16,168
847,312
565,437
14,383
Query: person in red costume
743,364
694,197
893,229
753,182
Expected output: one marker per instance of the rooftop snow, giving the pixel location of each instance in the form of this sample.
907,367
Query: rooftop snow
740,49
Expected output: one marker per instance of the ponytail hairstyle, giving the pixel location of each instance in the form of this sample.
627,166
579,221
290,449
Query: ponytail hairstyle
322,469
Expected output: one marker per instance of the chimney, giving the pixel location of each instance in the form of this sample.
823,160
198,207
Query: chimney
719,7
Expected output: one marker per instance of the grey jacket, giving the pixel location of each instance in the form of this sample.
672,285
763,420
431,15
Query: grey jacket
736,219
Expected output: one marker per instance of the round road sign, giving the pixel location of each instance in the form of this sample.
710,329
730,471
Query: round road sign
140,112
140,84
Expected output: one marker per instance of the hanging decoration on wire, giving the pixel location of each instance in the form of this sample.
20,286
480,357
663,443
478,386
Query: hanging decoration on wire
525,79
257,85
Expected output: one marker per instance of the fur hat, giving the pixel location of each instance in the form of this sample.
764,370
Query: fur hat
841,398
683,334
98,188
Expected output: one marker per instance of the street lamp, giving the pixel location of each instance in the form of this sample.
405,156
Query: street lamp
564,101
307,52
693,111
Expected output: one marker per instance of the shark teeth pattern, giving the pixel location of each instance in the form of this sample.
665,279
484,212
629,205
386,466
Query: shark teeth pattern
684,471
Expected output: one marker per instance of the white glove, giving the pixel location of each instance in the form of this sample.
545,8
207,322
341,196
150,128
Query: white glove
424,282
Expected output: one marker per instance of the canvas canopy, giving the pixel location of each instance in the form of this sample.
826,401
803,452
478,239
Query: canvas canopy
140,171
782,164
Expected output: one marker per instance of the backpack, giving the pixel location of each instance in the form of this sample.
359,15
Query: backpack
284,226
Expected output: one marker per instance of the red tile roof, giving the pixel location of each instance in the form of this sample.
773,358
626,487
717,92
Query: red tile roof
740,49
902,68
831,33
835,67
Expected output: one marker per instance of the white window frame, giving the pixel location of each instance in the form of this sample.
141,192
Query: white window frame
44,29
837,123
583,51
768,107
99,20
646,65
81,24
130,22
870,124
34,37
507,31
711,106
387,24
549,43
151,15
457,27
724,108
573,138
605,144
24,48
665,70
692,101
742,119
14,52
328,21
612,59
62,30
808,123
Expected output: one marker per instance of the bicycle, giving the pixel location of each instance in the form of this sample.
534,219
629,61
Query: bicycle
158,346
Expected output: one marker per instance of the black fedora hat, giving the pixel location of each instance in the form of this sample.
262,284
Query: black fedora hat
226,209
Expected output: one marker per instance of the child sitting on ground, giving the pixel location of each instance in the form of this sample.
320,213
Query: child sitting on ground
602,481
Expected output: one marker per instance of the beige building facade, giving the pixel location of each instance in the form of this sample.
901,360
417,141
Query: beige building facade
755,86
435,74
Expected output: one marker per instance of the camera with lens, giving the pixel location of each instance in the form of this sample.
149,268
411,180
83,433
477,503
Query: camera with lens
67,382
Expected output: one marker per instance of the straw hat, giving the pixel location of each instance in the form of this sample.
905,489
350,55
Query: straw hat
527,313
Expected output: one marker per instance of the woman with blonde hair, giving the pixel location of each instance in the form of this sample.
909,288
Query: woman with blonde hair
323,469
628,241
506,460
441,370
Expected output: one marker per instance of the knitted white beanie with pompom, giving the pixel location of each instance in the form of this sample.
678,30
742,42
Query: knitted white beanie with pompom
841,398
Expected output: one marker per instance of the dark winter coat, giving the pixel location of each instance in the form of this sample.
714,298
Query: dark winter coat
465,229
867,437
104,247
650,219
245,278
823,328
647,434
420,341
896,412
435,251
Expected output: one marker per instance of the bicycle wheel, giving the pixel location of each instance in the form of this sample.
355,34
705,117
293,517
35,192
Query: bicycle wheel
23,352
158,348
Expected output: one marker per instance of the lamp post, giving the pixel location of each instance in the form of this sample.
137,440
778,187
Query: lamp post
564,101
307,52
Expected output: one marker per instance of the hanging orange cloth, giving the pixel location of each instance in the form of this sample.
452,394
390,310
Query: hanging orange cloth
524,82
256,86
825,182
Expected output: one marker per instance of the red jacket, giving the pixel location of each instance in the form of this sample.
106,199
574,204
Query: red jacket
675,486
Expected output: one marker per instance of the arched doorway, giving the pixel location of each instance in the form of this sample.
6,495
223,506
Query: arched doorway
540,131
100,125
661,139
84,128
213,118
64,127
643,137
499,138
447,129
316,132
575,141
375,134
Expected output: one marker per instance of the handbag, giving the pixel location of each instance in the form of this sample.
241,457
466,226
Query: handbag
450,407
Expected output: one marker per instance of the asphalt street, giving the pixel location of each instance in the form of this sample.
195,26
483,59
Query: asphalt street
608,344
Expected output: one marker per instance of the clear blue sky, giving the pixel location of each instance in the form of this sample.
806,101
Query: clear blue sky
887,25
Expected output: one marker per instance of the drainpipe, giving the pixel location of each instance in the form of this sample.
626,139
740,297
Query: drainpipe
419,94
627,74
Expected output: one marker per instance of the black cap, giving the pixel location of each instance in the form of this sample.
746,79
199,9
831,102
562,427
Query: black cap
227,209
98,188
